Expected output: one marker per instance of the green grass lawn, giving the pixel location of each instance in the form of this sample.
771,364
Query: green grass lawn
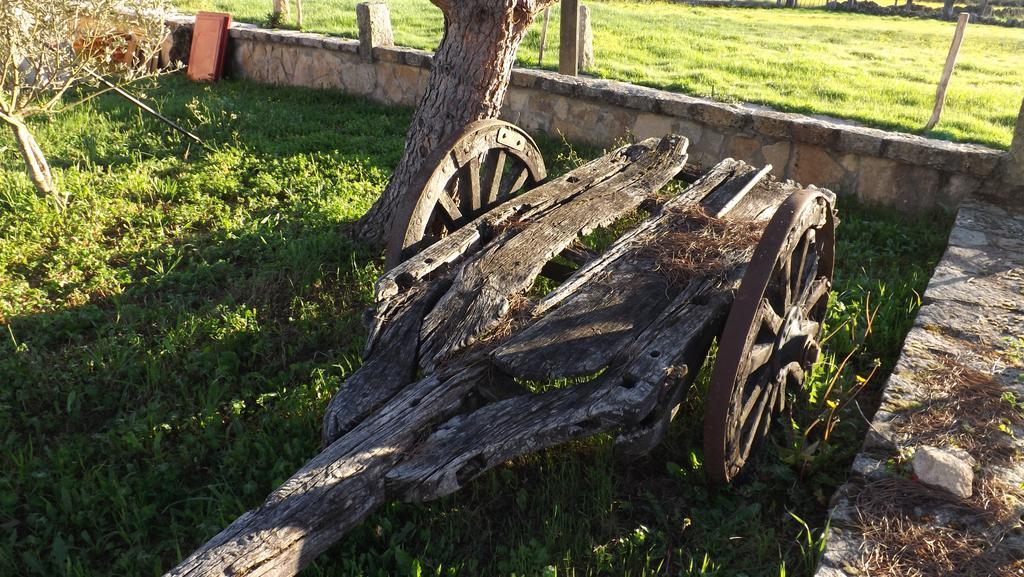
168,346
880,71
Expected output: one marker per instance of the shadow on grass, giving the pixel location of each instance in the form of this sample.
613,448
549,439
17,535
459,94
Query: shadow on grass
192,318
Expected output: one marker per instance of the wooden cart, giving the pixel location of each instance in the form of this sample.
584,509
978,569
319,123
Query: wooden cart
471,361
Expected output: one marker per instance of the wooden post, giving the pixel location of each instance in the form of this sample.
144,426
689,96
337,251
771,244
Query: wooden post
374,22
281,11
947,72
298,14
543,37
569,43
586,48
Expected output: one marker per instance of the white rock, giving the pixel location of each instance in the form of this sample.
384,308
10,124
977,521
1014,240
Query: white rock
950,470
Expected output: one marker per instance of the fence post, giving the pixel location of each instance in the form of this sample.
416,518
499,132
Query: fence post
569,41
947,72
374,22
586,56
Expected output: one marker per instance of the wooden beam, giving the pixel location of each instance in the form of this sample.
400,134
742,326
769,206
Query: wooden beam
569,41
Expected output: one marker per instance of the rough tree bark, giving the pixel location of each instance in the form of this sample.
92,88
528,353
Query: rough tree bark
35,160
468,78
282,10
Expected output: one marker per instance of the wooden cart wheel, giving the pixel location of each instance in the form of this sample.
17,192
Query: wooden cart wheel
770,340
480,167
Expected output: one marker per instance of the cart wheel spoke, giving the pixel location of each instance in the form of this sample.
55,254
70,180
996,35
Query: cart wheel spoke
495,168
770,336
448,210
489,161
818,290
771,319
514,179
760,355
470,191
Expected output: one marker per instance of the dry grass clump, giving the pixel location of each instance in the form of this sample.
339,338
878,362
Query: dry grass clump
903,539
701,245
966,409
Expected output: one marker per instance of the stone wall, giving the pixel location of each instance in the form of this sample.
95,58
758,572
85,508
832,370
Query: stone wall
881,168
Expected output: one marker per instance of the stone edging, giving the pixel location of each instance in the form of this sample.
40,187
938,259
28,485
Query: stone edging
887,168
972,320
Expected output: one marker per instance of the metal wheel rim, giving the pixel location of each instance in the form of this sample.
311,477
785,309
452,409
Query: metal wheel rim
490,159
744,385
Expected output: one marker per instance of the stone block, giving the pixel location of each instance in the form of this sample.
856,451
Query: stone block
884,182
710,145
864,142
524,78
813,165
957,188
374,23
586,47
745,149
516,100
302,73
650,125
980,162
815,132
563,86
920,152
693,131
774,125
675,105
945,469
626,96
360,79
720,115
777,155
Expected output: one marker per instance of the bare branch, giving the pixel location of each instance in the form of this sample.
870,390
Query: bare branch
48,47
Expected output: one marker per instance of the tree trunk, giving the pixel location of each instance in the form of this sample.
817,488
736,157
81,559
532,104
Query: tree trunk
468,78
282,11
35,162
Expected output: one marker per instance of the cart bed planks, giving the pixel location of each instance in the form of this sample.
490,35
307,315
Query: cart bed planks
438,400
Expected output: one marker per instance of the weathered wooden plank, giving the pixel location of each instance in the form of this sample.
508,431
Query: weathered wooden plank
480,293
471,444
597,320
735,191
388,368
706,185
468,445
760,204
523,207
334,491
606,305
704,322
